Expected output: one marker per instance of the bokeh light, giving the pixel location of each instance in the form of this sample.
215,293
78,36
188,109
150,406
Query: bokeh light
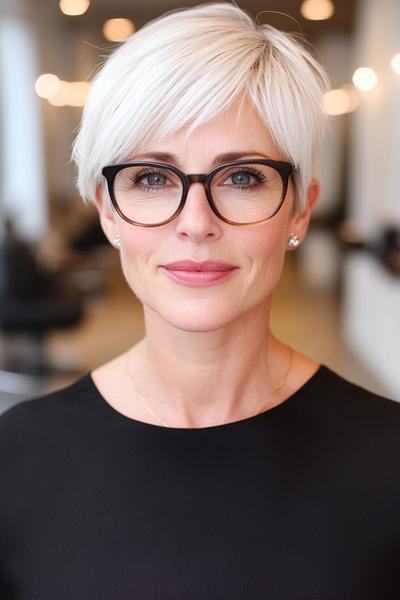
340,101
118,30
60,98
352,95
317,10
395,63
70,94
47,85
365,79
74,7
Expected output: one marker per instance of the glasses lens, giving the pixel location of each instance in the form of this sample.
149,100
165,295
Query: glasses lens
147,194
247,193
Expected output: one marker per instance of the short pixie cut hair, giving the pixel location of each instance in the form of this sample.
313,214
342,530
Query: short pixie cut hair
184,68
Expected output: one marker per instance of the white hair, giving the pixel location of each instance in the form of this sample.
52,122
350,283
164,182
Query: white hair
187,66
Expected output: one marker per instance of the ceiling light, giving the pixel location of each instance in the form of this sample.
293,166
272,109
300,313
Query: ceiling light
317,10
118,30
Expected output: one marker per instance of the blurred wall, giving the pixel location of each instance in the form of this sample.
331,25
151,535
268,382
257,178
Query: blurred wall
372,294
22,183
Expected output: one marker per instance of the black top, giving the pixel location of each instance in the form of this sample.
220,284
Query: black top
301,502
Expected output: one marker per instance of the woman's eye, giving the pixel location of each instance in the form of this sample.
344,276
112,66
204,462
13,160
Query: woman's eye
155,179
241,178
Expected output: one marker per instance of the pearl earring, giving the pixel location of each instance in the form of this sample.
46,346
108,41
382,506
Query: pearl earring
117,242
293,241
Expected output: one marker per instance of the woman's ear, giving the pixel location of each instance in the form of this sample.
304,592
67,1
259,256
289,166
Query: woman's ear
106,214
300,221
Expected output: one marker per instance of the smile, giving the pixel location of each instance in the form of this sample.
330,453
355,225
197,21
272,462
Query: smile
199,274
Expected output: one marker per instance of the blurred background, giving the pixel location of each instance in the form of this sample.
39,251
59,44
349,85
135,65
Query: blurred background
64,306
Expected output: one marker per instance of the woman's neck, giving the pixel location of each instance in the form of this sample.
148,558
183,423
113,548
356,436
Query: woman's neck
198,379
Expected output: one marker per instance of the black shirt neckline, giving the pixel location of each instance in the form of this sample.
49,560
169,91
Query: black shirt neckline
305,389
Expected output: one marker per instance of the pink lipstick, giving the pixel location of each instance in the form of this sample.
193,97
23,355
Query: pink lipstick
199,274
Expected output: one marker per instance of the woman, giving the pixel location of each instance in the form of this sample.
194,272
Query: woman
210,460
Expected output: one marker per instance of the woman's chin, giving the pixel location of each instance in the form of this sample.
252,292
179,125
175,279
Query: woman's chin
201,320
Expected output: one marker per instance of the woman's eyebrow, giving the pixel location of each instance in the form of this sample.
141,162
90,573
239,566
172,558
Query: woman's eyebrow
157,156
168,157
230,156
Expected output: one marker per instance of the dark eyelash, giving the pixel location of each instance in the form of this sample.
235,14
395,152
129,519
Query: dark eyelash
147,171
260,176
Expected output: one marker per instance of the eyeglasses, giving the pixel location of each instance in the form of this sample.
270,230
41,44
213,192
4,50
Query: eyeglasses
243,192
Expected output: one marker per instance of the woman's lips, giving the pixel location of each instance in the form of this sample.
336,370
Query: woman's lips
189,272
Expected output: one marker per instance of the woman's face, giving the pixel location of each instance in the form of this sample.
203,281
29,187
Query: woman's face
252,254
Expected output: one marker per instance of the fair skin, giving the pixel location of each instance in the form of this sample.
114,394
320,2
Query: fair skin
208,356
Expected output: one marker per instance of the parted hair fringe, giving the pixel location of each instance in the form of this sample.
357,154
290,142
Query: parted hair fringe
184,68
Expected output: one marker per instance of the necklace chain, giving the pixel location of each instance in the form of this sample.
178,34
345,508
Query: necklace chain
263,407
280,384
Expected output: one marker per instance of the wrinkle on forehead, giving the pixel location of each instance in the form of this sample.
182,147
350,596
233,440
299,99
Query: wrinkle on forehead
236,133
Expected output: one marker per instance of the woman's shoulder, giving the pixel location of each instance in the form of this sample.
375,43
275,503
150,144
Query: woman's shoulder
346,406
332,386
48,410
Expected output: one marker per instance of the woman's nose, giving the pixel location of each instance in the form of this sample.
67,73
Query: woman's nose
197,221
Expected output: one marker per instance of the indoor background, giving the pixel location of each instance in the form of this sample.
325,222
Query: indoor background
64,306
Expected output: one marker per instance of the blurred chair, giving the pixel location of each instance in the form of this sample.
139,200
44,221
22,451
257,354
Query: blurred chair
32,303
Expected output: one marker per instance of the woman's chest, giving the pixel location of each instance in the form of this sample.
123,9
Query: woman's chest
178,529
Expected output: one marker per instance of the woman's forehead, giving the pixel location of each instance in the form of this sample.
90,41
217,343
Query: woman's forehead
231,135
213,160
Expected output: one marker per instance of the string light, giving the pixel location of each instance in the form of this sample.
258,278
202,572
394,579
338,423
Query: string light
317,10
118,30
365,79
74,7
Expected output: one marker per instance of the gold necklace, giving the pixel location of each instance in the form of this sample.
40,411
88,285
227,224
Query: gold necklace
155,415
280,384
141,398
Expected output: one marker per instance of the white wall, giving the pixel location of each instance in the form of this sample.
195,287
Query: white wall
372,296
